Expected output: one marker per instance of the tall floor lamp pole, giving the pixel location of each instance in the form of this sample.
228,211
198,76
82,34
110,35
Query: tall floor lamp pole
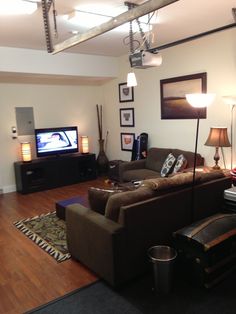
231,100
197,101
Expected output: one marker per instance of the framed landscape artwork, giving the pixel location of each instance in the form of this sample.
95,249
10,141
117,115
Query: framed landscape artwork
127,141
173,101
126,93
127,117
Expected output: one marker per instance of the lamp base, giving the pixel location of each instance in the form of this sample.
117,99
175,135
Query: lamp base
216,167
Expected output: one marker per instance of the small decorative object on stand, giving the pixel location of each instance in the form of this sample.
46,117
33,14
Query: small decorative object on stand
102,160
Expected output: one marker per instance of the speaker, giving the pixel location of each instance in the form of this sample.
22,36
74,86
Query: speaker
24,120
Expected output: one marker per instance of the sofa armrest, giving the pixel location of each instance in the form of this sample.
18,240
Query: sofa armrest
96,241
131,165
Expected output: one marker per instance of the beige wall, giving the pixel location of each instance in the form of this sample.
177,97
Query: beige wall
66,105
214,54
53,106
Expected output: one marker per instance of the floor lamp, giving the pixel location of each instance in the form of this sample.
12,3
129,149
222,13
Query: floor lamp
197,101
231,100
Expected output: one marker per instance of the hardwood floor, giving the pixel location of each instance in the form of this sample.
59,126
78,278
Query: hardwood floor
29,277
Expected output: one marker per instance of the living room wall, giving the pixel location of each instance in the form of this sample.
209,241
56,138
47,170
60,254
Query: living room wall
214,54
67,105
53,106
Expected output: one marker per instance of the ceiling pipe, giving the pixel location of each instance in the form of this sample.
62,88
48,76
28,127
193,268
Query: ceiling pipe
141,10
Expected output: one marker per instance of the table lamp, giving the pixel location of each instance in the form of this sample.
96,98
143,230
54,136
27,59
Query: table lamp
26,152
85,144
218,137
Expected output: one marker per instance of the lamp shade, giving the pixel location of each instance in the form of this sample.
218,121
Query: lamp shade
229,100
218,137
131,79
26,152
84,144
200,100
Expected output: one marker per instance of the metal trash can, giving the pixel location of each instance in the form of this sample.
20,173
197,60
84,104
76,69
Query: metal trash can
163,259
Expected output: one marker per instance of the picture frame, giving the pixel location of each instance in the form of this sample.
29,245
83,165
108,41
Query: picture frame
127,117
173,101
127,141
126,94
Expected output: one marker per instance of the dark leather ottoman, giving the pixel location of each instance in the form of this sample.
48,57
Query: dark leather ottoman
61,205
207,249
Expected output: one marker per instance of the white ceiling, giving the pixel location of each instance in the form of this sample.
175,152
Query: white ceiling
177,21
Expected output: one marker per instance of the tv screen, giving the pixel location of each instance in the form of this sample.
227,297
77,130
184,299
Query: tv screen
56,141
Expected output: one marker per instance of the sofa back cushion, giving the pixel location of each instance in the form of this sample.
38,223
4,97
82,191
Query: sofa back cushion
156,158
115,201
98,198
189,156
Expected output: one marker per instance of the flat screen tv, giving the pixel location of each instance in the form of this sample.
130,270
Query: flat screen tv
56,141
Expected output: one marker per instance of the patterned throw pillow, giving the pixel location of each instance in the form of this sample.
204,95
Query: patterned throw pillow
181,163
168,165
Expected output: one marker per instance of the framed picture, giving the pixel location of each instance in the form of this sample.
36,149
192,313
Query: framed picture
173,101
127,117
127,141
125,93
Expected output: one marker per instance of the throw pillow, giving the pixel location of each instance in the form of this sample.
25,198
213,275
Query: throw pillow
168,165
181,164
98,198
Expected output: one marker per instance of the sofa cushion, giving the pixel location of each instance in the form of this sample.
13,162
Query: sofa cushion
167,183
168,165
208,176
189,156
156,158
114,202
140,174
98,198
180,164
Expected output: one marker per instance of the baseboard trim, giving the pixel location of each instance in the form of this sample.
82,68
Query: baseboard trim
8,189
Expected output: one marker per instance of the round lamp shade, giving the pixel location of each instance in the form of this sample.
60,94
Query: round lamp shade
131,79
229,100
218,137
200,100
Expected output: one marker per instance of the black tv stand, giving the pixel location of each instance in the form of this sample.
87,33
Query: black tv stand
47,173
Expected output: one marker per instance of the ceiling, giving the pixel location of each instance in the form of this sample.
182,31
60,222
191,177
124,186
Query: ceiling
177,21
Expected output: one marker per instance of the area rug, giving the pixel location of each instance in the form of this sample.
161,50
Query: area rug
138,297
48,232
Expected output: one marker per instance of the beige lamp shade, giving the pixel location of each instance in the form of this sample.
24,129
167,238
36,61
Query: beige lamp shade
229,100
200,100
84,144
218,137
131,79
26,152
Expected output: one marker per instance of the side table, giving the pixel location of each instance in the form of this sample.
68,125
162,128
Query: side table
230,199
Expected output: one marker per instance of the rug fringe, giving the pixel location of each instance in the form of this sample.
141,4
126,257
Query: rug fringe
56,254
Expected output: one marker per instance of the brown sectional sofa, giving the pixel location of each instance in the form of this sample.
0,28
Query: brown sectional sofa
151,166
114,245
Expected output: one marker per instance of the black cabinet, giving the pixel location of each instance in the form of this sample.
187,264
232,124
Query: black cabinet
43,174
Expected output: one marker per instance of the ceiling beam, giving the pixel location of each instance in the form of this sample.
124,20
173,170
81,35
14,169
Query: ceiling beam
143,9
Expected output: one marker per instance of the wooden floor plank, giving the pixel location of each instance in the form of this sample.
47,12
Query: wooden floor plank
29,277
